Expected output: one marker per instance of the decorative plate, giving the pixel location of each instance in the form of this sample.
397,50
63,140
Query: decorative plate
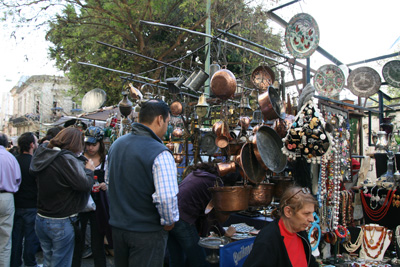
302,35
364,81
391,73
329,80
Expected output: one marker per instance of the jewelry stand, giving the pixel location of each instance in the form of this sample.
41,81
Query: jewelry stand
375,242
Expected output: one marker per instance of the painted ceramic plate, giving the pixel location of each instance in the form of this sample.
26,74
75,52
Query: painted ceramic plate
302,36
391,73
364,81
329,80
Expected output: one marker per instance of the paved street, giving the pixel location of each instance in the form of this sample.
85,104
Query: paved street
85,262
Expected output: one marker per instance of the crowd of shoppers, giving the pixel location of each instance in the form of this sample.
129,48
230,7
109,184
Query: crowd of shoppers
139,208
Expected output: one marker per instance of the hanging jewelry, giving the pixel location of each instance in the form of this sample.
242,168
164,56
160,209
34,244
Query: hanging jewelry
350,247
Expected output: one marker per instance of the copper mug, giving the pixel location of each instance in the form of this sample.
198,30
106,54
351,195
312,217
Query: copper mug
224,168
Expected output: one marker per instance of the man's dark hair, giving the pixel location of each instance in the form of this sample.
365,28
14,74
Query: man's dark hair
151,109
3,140
24,142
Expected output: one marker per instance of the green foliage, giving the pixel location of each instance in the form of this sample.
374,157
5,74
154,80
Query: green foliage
74,31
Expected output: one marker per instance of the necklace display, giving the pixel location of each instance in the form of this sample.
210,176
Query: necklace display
374,244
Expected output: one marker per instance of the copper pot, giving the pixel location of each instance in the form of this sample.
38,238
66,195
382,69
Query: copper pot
230,198
270,104
176,108
223,84
224,168
261,195
281,184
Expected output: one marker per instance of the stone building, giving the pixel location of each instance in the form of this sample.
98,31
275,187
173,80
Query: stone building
37,101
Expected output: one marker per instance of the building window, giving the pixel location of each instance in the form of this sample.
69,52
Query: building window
54,107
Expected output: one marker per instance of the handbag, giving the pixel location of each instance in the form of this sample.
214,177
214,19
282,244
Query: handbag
90,206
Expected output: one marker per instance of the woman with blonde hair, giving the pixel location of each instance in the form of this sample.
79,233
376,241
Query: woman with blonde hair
284,241
64,181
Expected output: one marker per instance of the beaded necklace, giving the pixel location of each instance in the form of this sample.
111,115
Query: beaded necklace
379,245
371,231
350,247
336,181
379,214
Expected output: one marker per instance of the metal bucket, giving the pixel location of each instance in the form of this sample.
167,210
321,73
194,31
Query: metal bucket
189,80
261,195
198,81
230,198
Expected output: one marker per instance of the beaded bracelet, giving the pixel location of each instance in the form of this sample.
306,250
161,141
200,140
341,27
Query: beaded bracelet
338,232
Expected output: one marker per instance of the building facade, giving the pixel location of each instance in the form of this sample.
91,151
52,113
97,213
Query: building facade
39,100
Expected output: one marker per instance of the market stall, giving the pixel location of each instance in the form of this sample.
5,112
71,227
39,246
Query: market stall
256,131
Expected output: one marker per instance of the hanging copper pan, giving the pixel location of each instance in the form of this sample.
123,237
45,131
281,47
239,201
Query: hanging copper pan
263,77
256,152
269,145
270,104
176,108
250,165
223,84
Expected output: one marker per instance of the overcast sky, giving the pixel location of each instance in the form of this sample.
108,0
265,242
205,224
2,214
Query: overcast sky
350,30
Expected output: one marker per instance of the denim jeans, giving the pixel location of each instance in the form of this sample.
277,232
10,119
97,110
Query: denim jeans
183,245
24,228
57,239
139,249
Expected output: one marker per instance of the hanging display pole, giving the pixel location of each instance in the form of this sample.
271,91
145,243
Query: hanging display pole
210,36
208,48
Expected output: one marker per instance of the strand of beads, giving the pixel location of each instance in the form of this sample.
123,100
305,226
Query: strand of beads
336,181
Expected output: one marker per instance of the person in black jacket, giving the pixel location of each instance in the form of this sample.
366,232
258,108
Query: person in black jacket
284,242
23,234
64,180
